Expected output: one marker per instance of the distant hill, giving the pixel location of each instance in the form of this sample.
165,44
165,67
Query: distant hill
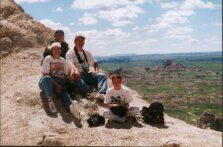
202,56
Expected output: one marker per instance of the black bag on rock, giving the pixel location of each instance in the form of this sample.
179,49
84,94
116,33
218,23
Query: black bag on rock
95,120
119,111
153,114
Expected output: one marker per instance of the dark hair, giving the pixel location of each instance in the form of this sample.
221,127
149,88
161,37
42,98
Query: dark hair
59,32
116,76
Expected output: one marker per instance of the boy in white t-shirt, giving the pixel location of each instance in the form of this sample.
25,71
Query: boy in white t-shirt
54,70
116,96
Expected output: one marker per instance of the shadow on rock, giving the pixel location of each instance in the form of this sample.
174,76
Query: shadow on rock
159,126
125,125
65,114
45,105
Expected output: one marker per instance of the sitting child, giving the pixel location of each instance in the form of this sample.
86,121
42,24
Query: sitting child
119,95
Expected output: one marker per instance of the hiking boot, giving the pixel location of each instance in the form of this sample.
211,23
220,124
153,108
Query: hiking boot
130,119
52,107
100,97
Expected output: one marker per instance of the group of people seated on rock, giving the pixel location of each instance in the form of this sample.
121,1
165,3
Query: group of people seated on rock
61,65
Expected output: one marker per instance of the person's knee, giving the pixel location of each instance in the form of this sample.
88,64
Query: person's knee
102,76
105,114
133,110
45,79
76,81
136,109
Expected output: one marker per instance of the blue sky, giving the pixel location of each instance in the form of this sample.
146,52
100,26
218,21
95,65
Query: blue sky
134,26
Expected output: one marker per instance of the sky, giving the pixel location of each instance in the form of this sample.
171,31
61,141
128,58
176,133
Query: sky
114,27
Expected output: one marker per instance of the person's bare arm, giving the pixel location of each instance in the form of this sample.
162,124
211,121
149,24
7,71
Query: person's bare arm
126,106
75,74
96,66
109,106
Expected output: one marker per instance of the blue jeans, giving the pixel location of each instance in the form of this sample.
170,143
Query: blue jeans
87,79
46,84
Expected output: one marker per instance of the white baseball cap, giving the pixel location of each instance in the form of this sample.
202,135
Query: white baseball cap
55,44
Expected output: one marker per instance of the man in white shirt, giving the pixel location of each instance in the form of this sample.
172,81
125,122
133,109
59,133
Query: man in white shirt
82,77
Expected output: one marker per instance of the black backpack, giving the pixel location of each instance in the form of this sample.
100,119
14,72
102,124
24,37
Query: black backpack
153,114
95,120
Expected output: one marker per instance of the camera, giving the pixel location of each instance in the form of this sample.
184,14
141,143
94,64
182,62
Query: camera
85,67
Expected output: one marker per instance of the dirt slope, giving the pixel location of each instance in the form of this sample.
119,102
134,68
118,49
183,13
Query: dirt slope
25,119
25,122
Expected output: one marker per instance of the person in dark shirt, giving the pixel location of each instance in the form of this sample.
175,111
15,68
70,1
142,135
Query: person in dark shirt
58,37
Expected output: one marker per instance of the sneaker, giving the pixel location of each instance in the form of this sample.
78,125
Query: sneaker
100,97
75,110
52,107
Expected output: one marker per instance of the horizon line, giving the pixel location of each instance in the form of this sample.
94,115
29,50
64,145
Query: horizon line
128,54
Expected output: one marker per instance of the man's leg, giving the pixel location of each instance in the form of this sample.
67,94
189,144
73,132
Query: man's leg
80,83
133,111
102,82
110,116
68,103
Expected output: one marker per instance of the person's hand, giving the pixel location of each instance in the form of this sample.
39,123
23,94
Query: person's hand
75,75
58,89
127,106
115,105
96,66
112,105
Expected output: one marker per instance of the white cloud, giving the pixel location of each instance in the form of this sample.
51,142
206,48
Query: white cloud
215,41
88,19
130,11
147,41
219,24
191,5
97,4
30,1
118,12
121,16
103,42
59,9
179,33
179,15
111,34
53,25
96,41
139,1
119,23
169,5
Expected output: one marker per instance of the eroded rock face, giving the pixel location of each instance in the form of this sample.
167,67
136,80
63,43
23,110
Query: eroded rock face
18,30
